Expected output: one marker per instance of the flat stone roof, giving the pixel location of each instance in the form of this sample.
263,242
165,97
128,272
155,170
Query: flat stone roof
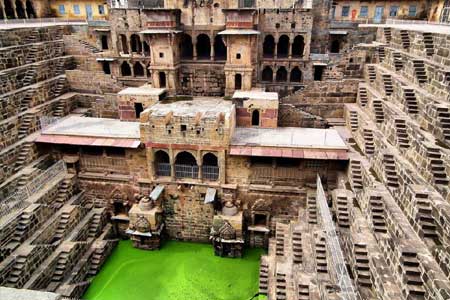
23,294
256,95
208,107
239,32
94,127
310,138
142,91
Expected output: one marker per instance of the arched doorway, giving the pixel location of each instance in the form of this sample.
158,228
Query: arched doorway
162,79
335,46
162,163
255,118
138,69
106,67
267,74
186,47
186,165
281,75
296,75
298,46
146,49
203,47
210,167
136,45
124,43
125,69
30,10
104,40
269,46
283,46
9,10
237,81
20,10
220,50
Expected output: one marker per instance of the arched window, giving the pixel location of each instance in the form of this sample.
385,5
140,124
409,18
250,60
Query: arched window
20,10
283,46
9,10
30,10
138,69
106,67
146,49
281,74
162,79
255,117
203,47
186,165
124,43
186,48
298,46
269,46
296,75
237,81
335,46
136,45
210,167
267,74
220,50
162,163
125,69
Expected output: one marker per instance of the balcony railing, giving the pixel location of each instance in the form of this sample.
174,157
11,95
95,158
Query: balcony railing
210,172
163,169
186,171
99,164
275,176
137,3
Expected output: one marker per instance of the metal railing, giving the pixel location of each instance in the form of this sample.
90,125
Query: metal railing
278,175
18,199
102,164
347,290
46,121
186,171
136,3
163,169
44,21
210,172
419,22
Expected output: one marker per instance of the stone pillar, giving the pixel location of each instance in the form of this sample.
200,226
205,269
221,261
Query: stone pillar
199,164
13,4
131,68
212,54
172,165
290,50
151,163
274,76
275,51
194,51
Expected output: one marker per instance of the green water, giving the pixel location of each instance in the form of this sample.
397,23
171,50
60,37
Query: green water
179,271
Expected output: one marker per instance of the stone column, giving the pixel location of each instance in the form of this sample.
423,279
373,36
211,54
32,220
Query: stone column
212,54
194,51
275,51
290,50
199,164
151,163
172,165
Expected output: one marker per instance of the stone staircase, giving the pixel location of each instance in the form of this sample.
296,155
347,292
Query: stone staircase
371,73
387,82
369,147
30,75
297,247
23,156
362,96
32,54
411,276
303,292
398,61
96,261
60,67
95,225
378,110
263,277
59,110
390,171
406,43
428,43
342,211
89,47
401,133
428,228
281,287
25,124
381,53
411,104
419,71
60,267
443,115
62,225
436,166
376,205
356,174
26,100
353,120
321,255
387,34
312,209
60,87
22,227
16,273
280,234
63,193
362,264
